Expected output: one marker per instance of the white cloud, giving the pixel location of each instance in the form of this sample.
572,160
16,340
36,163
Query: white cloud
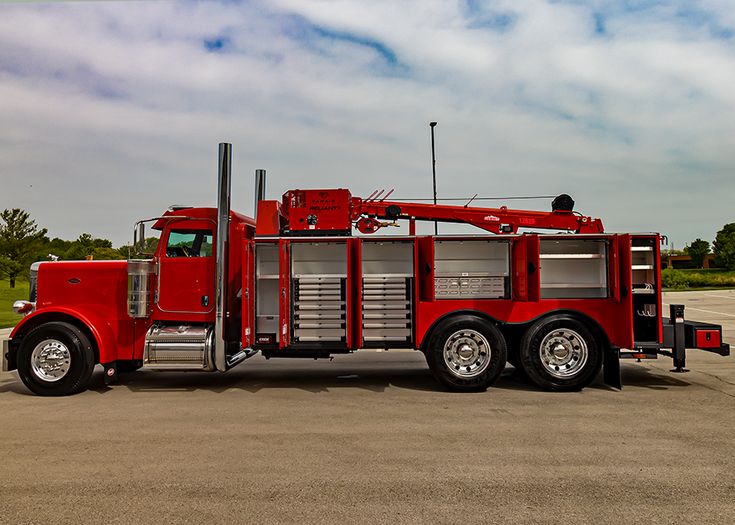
112,111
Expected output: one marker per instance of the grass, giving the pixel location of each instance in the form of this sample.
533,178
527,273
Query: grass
690,279
8,296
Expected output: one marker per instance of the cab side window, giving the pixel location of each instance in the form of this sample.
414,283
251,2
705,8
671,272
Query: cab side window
189,243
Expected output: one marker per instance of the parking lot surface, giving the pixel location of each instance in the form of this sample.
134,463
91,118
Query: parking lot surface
371,437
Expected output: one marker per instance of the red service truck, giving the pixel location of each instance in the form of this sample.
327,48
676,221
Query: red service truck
295,282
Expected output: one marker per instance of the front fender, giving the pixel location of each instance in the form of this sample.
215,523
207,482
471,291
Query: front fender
92,323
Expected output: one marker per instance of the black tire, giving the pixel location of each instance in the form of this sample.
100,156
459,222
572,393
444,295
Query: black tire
577,363
476,334
79,363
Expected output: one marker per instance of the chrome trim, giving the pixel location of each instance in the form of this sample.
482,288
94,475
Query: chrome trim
242,355
50,360
467,353
179,347
222,253
563,353
33,282
17,305
139,287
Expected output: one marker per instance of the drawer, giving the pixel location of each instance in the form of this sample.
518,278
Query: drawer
386,334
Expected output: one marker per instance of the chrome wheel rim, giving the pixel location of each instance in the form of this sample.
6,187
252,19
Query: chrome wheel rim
563,353
50,360
467,353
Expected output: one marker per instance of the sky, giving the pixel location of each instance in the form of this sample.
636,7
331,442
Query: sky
112,111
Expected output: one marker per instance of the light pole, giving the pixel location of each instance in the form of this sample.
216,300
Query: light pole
433,171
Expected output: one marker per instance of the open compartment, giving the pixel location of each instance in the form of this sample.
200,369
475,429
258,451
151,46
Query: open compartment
573,268
387,285
266,294
471,269
319,275
645,289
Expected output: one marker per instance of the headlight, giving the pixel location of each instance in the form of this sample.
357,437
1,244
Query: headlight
23,307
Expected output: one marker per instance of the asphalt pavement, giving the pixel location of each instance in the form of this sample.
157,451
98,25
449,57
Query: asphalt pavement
371,437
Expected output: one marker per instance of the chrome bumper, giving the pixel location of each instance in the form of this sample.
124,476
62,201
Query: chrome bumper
6,349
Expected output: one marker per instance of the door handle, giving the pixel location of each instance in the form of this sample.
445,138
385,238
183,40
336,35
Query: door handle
205,300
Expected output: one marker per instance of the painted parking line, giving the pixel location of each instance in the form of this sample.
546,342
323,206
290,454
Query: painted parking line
703,310
721,296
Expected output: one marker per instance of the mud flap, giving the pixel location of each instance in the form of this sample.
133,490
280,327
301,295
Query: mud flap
611,369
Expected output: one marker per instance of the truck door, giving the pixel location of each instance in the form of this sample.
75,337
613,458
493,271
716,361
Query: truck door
186,271
248,294
284,300
624,292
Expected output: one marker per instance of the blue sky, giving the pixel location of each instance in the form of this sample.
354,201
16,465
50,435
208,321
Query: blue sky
111,111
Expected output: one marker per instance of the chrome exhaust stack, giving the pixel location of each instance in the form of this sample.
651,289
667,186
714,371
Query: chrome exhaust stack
224,359
259,190
224,186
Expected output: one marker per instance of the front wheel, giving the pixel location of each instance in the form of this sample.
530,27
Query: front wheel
55,359
466,353
560,353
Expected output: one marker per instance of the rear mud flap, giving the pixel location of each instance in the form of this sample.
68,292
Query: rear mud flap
611,369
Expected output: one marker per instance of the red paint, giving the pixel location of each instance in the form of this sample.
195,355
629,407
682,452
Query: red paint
708,339
248,294
284,298
354,293
317,210
269,218
98,301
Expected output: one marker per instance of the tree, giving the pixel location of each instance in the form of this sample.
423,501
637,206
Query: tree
724,247
84,246
106,254
698,250
151,243
20,240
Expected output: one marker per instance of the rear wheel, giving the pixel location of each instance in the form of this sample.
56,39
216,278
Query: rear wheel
560,353
466,353
55,359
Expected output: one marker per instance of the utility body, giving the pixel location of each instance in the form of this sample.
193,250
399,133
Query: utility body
296,282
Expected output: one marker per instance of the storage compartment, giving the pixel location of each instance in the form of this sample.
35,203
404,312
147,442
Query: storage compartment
645,289
266,294
704,336
319,275
387,285
471,269
573,268
643,266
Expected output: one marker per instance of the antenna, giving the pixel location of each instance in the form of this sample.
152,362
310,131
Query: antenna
432,125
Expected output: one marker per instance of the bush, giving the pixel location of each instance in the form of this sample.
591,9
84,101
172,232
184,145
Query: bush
674,279
680,279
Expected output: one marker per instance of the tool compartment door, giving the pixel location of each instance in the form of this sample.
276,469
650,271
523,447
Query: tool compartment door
248,294
624,282
284,297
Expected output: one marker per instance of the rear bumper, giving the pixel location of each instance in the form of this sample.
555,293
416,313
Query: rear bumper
697,335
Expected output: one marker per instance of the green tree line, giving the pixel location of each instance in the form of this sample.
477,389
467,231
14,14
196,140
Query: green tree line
723,248
22,242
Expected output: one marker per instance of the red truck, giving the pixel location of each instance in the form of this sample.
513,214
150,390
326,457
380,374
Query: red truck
295,282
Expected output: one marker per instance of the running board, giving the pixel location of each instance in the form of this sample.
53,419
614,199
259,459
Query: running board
239,357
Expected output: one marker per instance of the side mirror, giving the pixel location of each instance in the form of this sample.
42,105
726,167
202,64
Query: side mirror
139,237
